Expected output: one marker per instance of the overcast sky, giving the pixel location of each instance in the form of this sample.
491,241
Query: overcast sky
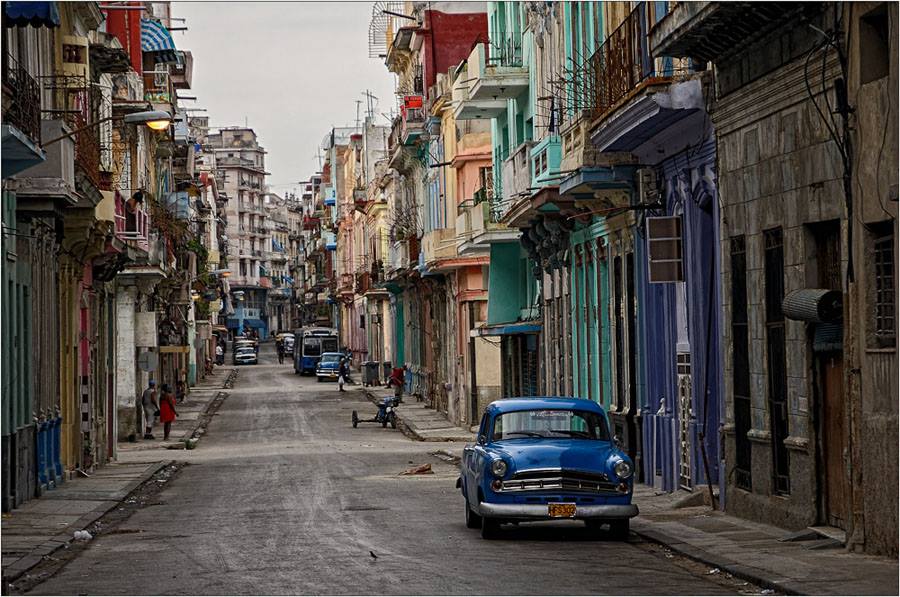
292,69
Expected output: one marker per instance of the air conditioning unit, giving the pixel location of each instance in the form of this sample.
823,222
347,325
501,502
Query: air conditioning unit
649,190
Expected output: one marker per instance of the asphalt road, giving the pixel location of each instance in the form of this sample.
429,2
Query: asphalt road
282,496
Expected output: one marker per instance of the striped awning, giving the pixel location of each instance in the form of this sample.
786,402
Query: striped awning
155,37
157,40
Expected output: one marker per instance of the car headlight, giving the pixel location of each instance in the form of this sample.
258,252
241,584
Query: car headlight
498,467
622,469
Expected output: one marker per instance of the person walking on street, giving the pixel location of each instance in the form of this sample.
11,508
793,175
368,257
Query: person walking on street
342,375
279,346
167,412
150,407
179,392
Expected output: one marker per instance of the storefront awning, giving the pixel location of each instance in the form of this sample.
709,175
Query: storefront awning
507,329
36,14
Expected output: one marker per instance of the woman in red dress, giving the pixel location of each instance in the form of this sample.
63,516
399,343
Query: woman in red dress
167,412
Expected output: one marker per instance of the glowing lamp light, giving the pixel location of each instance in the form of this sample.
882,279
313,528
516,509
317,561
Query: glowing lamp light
158,120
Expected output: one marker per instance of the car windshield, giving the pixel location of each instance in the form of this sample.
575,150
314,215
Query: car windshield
241,351
555,423
330,358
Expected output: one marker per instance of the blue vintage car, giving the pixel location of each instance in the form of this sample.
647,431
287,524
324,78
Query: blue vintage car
544,459
327,367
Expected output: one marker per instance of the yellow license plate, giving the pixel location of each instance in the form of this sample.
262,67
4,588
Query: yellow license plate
561,510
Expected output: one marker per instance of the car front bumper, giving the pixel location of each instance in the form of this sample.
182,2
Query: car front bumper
539,511
332,374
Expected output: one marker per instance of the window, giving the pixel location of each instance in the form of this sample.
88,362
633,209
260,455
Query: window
556,423
741,364
874,45
884,288
775,352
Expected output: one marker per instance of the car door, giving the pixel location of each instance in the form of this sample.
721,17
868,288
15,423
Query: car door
473,461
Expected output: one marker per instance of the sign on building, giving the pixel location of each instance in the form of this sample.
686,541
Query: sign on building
664,253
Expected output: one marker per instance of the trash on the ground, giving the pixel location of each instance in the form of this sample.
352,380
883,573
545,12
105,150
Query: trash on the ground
422,469
83,536
714,571
767,592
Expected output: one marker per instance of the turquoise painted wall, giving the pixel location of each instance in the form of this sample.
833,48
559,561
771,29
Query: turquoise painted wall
505,283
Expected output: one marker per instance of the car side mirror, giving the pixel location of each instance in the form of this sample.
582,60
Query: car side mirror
482,440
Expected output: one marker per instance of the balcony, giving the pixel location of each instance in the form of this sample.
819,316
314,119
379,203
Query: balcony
183,72
360,199
412,121
345,285
439,245
515,176
158,88
132,223
623,66
492,75
476,230
21,118
310,222
77,105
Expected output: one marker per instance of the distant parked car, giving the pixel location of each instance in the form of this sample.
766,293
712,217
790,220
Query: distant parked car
328,366
245,355
544,459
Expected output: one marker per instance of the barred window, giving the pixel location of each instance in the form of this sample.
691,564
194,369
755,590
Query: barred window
884,288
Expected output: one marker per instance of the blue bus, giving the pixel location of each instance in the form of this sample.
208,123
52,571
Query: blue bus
309,344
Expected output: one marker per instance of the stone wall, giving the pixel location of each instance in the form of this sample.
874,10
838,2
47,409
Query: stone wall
777,168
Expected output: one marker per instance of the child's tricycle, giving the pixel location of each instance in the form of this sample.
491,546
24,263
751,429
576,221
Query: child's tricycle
384,415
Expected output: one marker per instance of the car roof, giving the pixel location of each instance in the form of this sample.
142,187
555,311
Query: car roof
506,405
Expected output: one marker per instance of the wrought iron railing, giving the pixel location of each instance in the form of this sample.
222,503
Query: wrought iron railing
24,108
624,62
75,103
132,222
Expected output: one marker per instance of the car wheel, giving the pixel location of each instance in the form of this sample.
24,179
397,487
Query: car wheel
473,521
355,418
490,528
393,421
619,529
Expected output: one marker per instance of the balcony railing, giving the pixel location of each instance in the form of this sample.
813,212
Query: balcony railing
623,63
132,223
24,108
78,106
157,87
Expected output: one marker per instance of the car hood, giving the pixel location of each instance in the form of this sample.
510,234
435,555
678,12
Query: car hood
328,365
538,453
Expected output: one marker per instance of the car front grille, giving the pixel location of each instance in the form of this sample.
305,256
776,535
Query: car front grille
567,480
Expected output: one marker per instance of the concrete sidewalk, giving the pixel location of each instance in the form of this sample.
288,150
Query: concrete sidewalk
418,421
190,415
760,553
39,527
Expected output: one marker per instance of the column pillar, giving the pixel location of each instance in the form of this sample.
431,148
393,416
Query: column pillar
126,362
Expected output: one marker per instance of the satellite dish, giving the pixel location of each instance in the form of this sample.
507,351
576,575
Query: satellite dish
148,361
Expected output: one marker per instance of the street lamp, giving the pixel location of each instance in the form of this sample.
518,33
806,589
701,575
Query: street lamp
158,120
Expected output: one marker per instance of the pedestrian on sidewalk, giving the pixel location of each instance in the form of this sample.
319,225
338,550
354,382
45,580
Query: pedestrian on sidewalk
279,346
150,407
342,375
167,412
179,391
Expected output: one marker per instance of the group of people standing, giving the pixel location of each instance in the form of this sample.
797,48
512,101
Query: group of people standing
160,404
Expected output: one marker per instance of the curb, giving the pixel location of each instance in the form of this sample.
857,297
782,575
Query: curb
697,554
15,570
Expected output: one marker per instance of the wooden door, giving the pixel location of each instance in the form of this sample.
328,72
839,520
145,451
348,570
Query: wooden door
834,442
